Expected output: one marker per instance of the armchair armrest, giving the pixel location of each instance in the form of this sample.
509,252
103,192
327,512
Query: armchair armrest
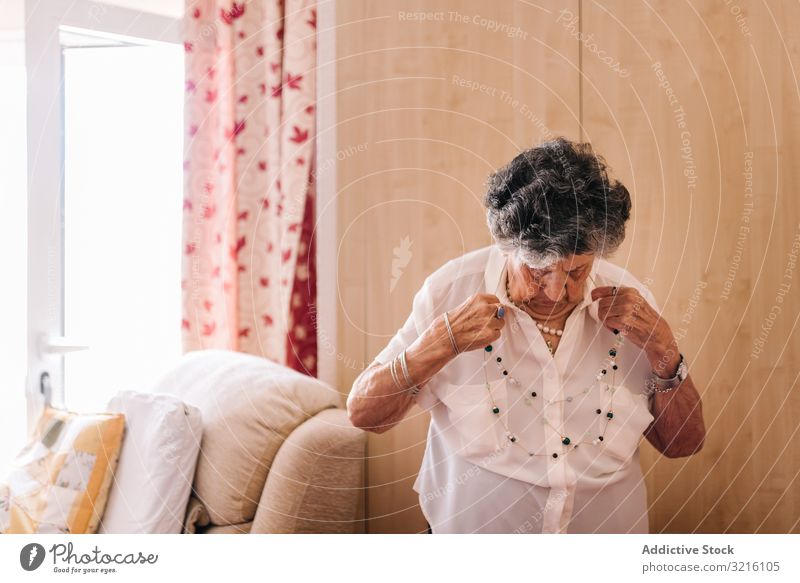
316,481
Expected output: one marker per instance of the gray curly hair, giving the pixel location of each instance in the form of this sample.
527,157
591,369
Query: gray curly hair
554,200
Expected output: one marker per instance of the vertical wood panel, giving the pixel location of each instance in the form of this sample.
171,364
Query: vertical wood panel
426,141
704,240
415,145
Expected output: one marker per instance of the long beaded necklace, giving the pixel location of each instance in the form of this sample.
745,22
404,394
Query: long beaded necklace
610,362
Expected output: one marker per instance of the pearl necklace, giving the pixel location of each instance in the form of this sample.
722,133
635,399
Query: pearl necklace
546,329
609,362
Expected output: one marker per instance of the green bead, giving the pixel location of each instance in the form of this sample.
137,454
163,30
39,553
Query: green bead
565,441
495,410
488,348
609,415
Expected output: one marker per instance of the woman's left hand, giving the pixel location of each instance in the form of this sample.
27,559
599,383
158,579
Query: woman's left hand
627,311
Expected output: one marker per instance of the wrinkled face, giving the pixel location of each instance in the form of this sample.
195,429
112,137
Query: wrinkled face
554,287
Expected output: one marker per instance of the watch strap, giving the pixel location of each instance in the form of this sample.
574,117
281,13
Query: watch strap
655,383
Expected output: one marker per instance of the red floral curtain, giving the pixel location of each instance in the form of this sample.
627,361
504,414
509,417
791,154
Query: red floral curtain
248,269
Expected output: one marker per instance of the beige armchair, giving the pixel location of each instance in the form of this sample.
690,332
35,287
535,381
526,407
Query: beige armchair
278,453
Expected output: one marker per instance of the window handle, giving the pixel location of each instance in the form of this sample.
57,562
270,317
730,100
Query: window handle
61,344
45,388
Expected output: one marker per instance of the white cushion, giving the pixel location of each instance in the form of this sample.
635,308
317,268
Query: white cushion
154,475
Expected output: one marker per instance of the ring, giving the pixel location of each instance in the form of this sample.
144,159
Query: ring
501,311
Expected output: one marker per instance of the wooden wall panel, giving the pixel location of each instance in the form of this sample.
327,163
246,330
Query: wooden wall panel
711,94
426,110
695,107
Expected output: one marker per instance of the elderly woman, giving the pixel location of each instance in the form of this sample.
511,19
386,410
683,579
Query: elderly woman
541,363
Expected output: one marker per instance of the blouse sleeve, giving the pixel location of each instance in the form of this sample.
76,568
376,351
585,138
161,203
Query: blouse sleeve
417,322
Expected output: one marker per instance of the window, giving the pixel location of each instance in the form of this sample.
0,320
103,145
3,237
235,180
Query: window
123,127
104,200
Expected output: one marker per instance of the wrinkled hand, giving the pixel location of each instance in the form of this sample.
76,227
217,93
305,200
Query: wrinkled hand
475,323
628,312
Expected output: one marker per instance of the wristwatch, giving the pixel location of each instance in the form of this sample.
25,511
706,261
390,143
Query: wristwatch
655,383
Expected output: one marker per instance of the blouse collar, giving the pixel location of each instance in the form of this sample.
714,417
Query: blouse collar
495,277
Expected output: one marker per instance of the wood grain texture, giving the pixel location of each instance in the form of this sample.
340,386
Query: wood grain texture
413,193
709,97
428,108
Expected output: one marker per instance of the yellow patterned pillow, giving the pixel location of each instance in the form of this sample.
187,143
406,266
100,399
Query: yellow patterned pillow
59,482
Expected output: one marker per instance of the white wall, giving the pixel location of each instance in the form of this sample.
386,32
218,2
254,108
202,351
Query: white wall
13,237
173,8
12,15
12,12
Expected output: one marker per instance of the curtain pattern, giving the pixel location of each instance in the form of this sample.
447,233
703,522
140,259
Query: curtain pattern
248,270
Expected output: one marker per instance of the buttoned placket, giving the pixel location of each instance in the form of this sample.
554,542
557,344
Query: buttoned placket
561,477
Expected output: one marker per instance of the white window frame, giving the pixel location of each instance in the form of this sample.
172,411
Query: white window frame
45,19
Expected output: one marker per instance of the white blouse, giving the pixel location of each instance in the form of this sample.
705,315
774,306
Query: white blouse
496,459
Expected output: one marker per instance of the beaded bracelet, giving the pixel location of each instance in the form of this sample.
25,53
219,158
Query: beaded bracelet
653,387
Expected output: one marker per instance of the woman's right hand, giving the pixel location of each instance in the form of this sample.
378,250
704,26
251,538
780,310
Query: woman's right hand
475,323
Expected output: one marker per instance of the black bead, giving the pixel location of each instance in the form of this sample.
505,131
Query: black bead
600,438
599,411
612,352
499,359
555,455
604,371
616,331
615,367
533,393
505,373
513,439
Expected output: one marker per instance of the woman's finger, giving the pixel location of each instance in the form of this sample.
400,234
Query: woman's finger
500,323
620,322
619,312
